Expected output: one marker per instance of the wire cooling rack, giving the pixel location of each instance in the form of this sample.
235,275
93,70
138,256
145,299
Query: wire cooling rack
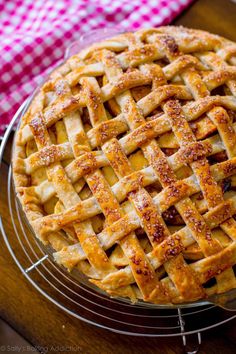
82,301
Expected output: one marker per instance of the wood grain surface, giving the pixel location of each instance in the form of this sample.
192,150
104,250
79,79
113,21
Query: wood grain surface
45,325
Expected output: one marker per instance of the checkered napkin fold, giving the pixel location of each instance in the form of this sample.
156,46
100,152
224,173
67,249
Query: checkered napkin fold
35,34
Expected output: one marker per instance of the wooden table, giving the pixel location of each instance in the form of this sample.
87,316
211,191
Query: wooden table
43,324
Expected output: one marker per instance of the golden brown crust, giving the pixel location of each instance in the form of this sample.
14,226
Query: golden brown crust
125,163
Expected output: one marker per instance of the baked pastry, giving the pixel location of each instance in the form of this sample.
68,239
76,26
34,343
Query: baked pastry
125,162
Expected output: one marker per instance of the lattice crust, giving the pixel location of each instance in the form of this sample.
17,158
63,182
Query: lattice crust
125,163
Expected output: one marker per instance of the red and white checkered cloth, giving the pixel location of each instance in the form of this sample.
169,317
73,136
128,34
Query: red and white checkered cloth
35,33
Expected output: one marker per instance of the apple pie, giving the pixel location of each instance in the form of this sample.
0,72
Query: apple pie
125,163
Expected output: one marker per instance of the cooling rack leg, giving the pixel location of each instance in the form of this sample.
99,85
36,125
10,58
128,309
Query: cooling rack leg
186,346
36,264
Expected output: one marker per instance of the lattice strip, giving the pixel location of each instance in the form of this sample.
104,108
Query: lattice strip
211,191
134,119
147,281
